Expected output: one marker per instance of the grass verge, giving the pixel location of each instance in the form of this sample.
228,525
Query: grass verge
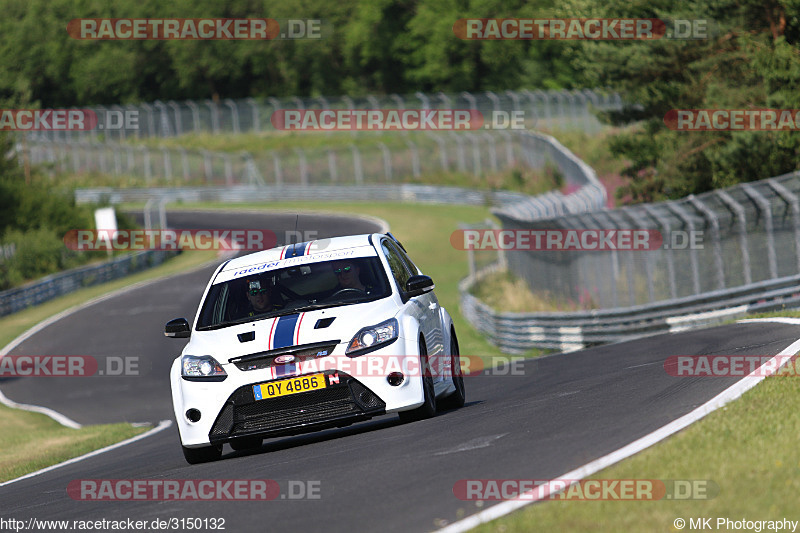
747,448
31,441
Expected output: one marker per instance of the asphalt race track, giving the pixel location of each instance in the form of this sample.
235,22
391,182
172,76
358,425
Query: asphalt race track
563,412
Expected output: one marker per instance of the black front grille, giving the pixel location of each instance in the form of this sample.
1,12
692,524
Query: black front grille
337,404
261,360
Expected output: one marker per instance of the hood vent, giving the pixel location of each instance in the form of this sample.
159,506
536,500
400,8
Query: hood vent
247,337
324,322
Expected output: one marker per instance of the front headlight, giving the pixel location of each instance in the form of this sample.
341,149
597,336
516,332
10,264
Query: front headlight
203,366
372,337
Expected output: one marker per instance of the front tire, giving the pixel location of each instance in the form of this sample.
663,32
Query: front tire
458,398
427,409
206,454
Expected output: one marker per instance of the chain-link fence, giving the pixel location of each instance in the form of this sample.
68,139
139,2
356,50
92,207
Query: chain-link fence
421,153
709,242
543,110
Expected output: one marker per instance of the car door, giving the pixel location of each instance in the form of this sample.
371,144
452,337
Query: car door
425,307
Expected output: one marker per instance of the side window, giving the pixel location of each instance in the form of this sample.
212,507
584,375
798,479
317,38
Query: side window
399,270
409,263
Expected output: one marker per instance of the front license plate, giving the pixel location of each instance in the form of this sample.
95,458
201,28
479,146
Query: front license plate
286,387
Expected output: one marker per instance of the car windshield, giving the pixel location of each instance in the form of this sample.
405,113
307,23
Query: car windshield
292,290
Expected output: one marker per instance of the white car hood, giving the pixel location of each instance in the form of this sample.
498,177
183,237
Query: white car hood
290,330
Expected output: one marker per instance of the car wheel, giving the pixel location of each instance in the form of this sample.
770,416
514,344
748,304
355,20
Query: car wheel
459,397
246,443
427,409
202,455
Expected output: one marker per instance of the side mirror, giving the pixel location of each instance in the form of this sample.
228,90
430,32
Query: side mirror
177,329
419,284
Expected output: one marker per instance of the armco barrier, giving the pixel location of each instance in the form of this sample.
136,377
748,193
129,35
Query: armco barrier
14,300
568,331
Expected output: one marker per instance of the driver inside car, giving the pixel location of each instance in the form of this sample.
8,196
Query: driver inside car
261,296
348,274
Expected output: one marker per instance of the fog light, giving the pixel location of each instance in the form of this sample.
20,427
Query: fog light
193,415
395,378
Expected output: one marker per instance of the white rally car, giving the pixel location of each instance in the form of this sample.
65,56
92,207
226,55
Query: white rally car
309,336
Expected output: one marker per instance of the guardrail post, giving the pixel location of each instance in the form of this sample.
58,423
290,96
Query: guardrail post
212,107
303,166
209,170
741,223
148,171
195,116
681,213
254,110
460,154
151,127
176,111
387,161
167,164
401,103
791,199
492,151
665,230
713,220
226,158
766,211
332,168
415,164
184,163
234,115
276,161
639,221
163,119
358,170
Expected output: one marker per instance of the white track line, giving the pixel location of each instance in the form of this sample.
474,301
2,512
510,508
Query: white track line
731,393
164,424
58,417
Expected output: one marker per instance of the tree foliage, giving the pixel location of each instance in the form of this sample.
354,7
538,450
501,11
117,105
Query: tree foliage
372,46
751,60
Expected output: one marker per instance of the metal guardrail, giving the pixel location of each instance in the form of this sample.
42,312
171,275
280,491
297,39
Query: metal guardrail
53,286
569,331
